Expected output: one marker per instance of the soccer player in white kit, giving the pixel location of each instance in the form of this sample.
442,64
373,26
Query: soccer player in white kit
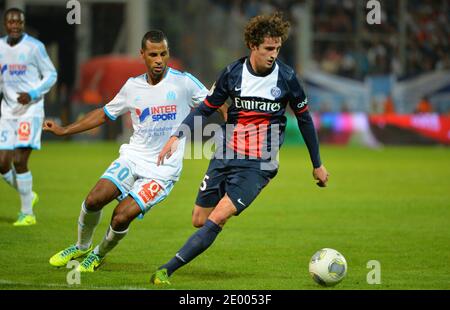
158,101
27,73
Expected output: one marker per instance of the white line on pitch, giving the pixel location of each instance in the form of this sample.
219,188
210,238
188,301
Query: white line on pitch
55,285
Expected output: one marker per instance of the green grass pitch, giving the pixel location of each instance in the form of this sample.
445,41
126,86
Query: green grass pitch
390,205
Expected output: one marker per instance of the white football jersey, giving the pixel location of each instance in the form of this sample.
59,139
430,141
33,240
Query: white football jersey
25,67
156,112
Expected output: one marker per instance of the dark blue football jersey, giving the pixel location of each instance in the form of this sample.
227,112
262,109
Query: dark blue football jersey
256,122
258,103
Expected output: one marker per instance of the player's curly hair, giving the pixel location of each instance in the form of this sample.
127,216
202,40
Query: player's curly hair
262,26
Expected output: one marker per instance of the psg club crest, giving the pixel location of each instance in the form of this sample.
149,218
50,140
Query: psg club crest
276,92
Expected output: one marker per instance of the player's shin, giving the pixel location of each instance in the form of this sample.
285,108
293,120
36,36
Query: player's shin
25,187
110,240
196,244
87,222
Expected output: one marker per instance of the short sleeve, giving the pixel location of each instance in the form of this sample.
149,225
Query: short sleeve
118,105
196,90
298,100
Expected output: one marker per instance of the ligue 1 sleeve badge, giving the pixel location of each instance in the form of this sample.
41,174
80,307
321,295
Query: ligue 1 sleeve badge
275,91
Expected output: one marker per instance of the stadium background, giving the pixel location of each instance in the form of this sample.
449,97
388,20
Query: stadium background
380,95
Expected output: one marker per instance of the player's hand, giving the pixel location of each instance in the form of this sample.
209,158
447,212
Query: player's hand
54,128
23,98
168,150
321,174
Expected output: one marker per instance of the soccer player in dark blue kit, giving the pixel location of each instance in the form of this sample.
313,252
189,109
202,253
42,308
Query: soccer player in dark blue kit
260,88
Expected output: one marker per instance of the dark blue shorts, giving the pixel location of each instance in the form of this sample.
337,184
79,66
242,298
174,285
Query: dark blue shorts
242,184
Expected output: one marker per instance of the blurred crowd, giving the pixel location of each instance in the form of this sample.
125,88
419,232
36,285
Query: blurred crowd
347,45
207,44
343,42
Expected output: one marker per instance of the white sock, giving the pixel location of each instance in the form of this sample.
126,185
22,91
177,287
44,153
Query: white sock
110,240
87,222
25,187
10,178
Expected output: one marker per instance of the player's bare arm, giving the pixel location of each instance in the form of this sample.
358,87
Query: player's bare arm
223,110
91,120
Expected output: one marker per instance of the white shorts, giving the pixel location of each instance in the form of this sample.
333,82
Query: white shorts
146,191
20,132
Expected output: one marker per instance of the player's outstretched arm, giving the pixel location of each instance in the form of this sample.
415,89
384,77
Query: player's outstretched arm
91,120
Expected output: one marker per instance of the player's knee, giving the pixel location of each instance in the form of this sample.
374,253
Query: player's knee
224,210
120,221
198,221
5,166
218,218
199,216
20,165
93,202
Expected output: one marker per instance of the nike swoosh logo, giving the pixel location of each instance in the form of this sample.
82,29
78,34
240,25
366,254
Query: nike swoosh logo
180,258
240,201
237,89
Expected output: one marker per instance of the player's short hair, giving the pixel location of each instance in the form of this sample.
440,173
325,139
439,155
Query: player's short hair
262,26
13,10
154,36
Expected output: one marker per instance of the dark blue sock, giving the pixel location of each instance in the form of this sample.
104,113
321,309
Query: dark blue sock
196,244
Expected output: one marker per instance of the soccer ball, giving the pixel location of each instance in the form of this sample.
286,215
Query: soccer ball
328,267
